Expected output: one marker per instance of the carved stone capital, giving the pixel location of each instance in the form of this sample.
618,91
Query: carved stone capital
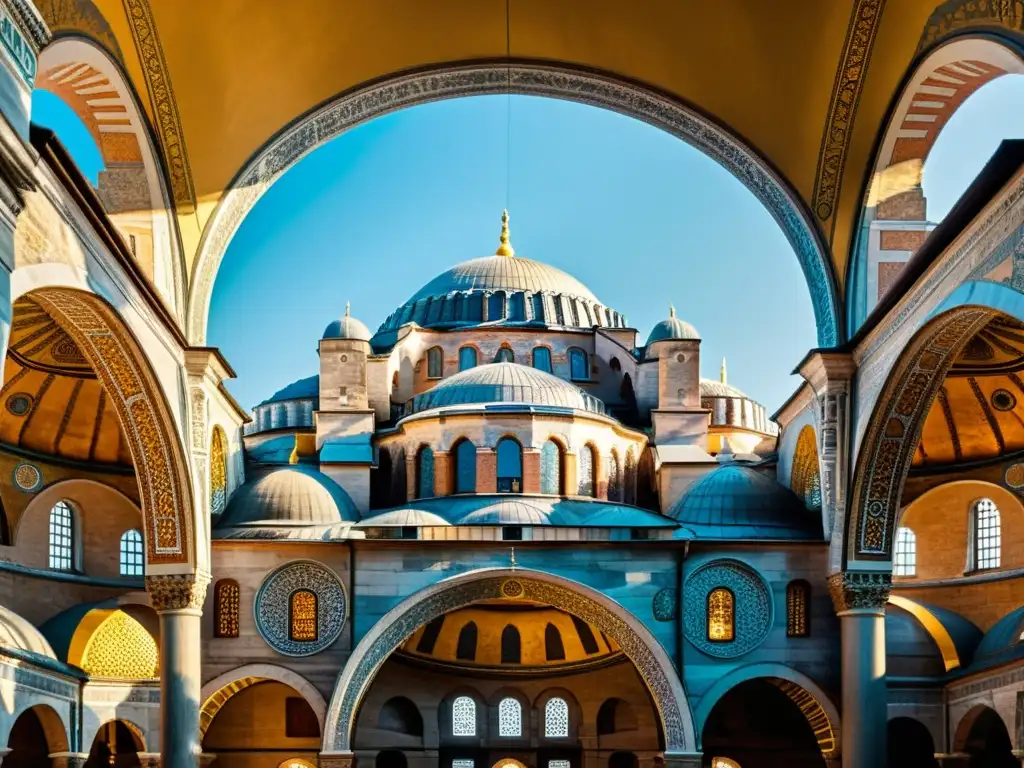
853,590
337,760
176,592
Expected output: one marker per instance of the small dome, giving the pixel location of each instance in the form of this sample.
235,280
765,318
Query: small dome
297,390
507,512
293,495
506,383
347,327
403,517
737,502
19,634
672,328
712,388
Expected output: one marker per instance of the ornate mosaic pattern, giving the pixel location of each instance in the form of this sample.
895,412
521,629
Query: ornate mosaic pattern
664,604
27,477
177,592
353,109
954,15
510,718
655,669
274,609
1013,476
121,648
463,716
859,589
752,607
556,719
227,600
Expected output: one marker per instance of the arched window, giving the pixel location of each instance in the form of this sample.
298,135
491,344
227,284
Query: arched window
541,359
62,537
463,716
510,717
302,616
400,715
579,367
424,473
465,649
551,476
467,358
131,553
615,492
226,600
510,466
517,307
553,648
218,471
798,619
614,363
585,473
721,615
629,478
905,555
987,535
615,716
505,355
496,306
465,467
435,363
556,719
586,635
511,652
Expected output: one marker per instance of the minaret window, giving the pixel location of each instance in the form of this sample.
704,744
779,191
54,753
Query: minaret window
586,485
424,473
435,363
467,358
721,615
131,553
510,466
505,355
465,467
905,555
579,367
542,359
551,475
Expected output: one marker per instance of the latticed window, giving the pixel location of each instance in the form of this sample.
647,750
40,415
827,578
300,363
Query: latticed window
905,554
467,358
505,355
510,717
218,472
461,762
798,595
302,616
556,719
510,466
558,764
62,537
551,468
614,478
585,472
721,615
463,716
435,363
987,535
227,596
465,467
542,359
579,367
131,553
424,473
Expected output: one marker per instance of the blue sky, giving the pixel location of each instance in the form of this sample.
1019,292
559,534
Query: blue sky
641,218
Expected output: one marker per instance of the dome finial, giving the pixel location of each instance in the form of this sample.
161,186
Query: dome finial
348,309
671,310
505,249
721,374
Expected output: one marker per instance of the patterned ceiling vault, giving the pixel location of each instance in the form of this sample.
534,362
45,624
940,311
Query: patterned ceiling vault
53,403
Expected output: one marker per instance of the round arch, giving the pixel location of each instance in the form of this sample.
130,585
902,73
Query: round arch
604,90
962,729
56,727
216,693
813,702
642,648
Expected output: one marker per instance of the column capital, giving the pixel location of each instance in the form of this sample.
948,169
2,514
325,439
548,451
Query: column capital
336,760
819,369
852,590
179,591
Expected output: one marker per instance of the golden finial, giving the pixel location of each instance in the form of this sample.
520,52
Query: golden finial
348,308
721,374
512,557
671,310
505,249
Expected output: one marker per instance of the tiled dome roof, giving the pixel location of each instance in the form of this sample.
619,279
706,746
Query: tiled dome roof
507,512
347,327
712,388
672,328
297,390
506,383
737,502
504,273
293,495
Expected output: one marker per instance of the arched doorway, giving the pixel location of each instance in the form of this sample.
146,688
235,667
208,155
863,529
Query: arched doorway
116,745
757,725
983,736
36,734
910,744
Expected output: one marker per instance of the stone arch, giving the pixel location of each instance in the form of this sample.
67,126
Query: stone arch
558,81
821,713
133,187
636,641
893,213
55,726
962,729
136,731
146,420
216,693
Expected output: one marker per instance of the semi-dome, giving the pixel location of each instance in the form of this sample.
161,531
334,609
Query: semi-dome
347,327
505,383
672,328
507,512
737,502
293,495
402,517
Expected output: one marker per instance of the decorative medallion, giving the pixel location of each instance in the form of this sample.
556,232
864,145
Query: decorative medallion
28,477
273,607
1003,400
19,403
511,589
752,608
1014,476
665,604
64,350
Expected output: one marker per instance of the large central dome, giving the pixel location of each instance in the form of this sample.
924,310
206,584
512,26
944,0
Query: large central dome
502,289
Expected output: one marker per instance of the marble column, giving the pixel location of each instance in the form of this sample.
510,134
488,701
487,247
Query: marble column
178,600
859,598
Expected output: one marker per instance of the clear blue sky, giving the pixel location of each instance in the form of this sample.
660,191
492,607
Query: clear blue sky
641,218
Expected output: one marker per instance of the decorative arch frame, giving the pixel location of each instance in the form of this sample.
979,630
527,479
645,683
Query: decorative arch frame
821,713
216,693
138,734
963,726
56,724
806,469
44,500
647,654
599,89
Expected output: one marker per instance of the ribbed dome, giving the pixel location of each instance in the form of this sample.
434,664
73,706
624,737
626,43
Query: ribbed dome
712,388
504,273
18,633
672,328
403,517
507,512
737,502
506,383
293,495
347,327
297,390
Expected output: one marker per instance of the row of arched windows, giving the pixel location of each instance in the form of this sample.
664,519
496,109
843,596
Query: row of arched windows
510,717
303,612
63,544
984,551
509,470
721,612
511,642
540,358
